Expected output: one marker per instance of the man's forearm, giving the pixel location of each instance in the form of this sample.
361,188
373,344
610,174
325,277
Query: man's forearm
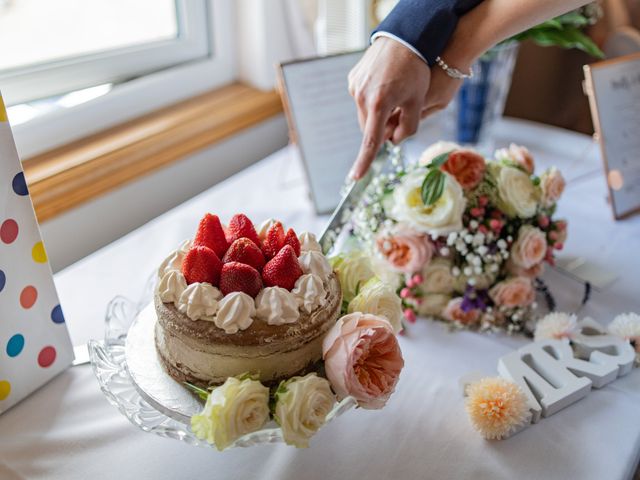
426,25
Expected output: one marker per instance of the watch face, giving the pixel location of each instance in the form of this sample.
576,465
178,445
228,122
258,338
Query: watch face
381,8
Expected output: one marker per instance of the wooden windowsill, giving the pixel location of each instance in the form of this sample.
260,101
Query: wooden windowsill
68,176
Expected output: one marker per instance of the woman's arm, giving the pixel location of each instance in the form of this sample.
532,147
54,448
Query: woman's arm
496,20
487,25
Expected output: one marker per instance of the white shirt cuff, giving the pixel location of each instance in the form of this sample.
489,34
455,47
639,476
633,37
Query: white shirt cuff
399,40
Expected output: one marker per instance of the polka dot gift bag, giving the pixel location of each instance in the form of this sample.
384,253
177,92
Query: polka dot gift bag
34,343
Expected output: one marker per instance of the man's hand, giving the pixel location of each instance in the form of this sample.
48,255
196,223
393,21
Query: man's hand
390,85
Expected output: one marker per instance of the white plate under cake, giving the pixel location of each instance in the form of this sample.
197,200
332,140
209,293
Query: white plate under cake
235,300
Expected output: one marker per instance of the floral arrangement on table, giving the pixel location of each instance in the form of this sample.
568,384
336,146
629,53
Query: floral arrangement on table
459,237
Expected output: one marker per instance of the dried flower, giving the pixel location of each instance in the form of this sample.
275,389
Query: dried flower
627,326
496,407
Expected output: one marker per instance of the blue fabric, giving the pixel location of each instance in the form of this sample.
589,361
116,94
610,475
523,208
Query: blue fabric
427,25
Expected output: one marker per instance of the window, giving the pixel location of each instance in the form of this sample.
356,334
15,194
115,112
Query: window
52,47
69,68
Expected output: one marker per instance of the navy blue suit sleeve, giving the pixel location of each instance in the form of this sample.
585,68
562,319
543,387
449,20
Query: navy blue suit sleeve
427,25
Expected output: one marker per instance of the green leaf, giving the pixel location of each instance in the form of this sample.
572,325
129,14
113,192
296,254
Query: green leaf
439,160
553,23
574,18
255,376
568,37
201,392
432,187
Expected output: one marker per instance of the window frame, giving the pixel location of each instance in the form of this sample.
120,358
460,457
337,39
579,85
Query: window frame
55,77
144,94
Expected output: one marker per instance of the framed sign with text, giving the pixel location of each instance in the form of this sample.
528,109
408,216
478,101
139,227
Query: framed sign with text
613,88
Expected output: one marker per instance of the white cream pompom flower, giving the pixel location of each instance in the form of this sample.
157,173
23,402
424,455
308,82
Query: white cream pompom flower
556,325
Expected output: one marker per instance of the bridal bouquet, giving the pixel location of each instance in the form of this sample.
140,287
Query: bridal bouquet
461,238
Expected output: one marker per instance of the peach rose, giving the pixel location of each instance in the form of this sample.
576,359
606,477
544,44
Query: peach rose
552,184
466,166
532,272
362,359
513,292
454,313
530,247
561,232
405,250
519,155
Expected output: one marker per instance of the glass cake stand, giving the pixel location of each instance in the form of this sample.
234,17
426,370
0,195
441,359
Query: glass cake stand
133,380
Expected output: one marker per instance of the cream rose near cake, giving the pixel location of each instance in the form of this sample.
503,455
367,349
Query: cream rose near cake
235,300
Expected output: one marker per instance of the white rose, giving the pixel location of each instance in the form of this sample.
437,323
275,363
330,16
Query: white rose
302,406
441,218
517,192
379,299
436,150
232,410
433,304
354,269
437,277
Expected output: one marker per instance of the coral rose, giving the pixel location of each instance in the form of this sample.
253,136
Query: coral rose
530,247
362,359
466,166
513,292
454,312
405,250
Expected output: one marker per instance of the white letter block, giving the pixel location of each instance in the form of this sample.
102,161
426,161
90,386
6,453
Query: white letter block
593,343
547,372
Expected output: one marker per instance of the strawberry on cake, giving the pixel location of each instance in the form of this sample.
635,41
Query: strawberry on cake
235,300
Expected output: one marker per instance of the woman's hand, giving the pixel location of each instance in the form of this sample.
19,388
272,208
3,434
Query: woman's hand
441,91
390,85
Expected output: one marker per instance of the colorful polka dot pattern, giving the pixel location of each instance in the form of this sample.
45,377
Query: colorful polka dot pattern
33,337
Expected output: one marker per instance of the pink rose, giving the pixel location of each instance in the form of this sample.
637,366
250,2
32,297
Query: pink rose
454,313
362,359
405,250
552,184
513,292
466,166
519,155
561,231
530,247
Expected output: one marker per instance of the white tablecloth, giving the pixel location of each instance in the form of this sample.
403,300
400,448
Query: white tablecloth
67,430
